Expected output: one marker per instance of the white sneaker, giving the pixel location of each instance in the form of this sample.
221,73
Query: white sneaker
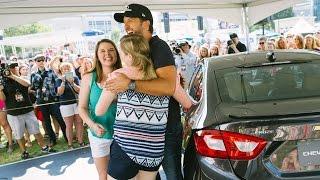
2,146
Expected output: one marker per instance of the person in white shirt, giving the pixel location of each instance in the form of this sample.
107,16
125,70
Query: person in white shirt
186,62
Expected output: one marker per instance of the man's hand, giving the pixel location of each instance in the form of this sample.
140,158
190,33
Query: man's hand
118,83
233,46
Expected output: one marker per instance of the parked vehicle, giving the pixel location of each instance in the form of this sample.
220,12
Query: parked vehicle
256,116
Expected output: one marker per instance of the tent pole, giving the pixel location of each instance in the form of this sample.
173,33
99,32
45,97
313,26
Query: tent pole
2,50
245,24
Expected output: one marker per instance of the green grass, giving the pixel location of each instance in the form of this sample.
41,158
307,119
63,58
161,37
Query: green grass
35,150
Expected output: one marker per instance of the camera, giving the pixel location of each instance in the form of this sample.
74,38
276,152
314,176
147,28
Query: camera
176,49
229,42
4,73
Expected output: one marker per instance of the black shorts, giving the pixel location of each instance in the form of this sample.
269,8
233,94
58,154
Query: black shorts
121,166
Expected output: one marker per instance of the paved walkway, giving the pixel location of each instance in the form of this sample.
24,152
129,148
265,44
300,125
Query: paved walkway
75,164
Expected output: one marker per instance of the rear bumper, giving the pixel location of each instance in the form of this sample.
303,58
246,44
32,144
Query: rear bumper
212,168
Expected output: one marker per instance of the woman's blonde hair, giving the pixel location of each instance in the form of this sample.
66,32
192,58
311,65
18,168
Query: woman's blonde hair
207,52
139,49
314,43
281,38
65,64
300,45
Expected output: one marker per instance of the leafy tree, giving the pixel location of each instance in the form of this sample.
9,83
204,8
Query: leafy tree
283,14
25,29
115,35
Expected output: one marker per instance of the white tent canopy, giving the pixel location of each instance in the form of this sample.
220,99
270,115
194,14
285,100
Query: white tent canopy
302,27
17,12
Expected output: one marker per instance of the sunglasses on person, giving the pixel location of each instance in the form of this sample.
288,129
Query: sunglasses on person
40,59
261,43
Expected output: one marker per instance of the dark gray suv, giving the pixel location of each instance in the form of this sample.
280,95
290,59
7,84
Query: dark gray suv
257,116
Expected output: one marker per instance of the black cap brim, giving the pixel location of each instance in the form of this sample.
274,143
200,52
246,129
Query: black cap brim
118,17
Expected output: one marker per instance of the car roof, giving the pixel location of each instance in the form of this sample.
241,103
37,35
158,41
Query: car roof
240,59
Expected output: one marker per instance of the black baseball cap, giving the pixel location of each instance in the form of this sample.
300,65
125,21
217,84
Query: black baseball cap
185,43
233,35
135,10
13,65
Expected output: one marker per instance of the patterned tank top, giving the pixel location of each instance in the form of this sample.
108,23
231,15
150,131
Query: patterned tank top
140,126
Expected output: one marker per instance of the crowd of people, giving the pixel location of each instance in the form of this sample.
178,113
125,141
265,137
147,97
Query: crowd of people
291,41
40,90
130,97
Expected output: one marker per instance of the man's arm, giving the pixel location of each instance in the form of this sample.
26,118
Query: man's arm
234,47
164,85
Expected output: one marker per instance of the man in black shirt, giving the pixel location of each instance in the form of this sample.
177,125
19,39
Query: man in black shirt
44,85
138,19
20,112
235,45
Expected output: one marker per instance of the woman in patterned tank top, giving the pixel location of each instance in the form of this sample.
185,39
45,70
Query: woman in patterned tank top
139,129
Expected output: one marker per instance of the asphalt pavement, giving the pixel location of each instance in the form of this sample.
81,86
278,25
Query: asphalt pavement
73,164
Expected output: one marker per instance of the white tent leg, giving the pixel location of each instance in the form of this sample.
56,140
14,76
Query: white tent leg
24,53
2,51
245,24
14,50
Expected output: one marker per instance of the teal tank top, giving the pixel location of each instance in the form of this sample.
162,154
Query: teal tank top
106,120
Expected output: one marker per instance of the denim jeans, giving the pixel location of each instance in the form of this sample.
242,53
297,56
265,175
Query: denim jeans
53,110
172,152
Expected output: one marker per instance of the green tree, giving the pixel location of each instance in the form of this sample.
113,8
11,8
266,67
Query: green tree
25,29
283,14
115,36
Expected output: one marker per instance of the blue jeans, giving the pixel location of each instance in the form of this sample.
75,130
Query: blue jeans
172,152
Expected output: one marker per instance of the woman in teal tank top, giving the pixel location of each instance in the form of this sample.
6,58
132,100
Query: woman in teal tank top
106,120
106,60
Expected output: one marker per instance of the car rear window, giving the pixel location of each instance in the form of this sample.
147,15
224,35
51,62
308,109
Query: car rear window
272,82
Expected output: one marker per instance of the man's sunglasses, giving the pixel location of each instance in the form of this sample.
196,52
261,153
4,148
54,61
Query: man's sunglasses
261,43
40,59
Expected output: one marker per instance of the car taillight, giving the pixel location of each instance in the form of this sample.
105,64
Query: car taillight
225,144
